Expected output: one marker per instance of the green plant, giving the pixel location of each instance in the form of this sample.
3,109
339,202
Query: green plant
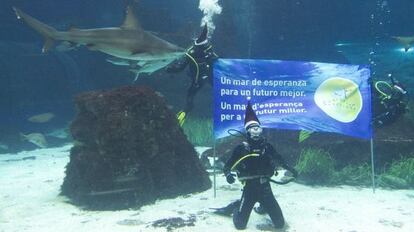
401,170
199,131
353,175
315,166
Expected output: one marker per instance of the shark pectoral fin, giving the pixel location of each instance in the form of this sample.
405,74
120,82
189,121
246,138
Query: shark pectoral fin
136,71
131,21
48,44
136,76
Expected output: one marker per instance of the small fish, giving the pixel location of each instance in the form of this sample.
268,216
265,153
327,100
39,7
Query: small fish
41,118
4,146
37,139
61,133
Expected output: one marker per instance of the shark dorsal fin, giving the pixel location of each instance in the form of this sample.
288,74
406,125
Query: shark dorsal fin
131,21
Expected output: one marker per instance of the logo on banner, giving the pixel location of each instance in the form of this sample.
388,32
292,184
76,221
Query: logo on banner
339,98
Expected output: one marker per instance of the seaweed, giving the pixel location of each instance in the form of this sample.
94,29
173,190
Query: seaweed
315,166
400,171
358,175
199,131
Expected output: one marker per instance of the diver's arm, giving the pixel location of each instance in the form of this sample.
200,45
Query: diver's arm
177,65
232,160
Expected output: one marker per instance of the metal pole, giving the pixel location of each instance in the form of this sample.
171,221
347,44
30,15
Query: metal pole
214,167
372,165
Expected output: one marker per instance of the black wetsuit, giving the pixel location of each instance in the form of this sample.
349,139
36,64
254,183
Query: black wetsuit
255,171
200,59
388,108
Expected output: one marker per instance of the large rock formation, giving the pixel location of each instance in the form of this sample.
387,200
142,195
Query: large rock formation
129,151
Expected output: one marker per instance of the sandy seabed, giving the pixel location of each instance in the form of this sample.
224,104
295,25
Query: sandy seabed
29,201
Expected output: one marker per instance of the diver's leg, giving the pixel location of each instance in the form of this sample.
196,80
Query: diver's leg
269,203
242,213
191,92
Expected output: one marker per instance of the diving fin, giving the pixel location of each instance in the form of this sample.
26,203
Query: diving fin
227,210
181,117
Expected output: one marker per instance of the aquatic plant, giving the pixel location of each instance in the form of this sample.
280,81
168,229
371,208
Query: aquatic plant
400,174
199,131
353,175
315,166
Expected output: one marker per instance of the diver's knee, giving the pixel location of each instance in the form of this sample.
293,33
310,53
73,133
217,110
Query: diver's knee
238,223
279,224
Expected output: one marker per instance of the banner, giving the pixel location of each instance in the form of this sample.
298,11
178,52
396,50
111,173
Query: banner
293,95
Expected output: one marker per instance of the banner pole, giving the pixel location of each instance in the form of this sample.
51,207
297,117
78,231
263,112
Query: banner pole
372,165
214,167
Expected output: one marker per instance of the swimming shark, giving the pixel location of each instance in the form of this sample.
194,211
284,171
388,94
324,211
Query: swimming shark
406,41
129,41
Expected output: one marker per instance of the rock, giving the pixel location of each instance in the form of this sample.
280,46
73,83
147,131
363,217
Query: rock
129,151
174,223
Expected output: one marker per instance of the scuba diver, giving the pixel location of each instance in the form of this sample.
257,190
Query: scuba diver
389,102
255,162
200,58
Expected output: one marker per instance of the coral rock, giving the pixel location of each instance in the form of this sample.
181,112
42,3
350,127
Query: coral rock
129,151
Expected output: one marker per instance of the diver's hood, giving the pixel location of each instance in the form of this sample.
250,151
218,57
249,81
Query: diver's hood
202,39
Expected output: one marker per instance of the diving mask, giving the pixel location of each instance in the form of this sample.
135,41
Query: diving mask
255,132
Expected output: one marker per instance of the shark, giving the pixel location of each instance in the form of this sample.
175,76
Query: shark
406,41
128,41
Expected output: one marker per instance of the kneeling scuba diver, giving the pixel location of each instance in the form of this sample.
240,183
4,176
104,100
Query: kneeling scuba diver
255,162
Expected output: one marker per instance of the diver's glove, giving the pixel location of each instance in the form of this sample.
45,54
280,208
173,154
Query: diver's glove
230,178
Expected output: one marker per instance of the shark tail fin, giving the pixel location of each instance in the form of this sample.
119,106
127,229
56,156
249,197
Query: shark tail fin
46,31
